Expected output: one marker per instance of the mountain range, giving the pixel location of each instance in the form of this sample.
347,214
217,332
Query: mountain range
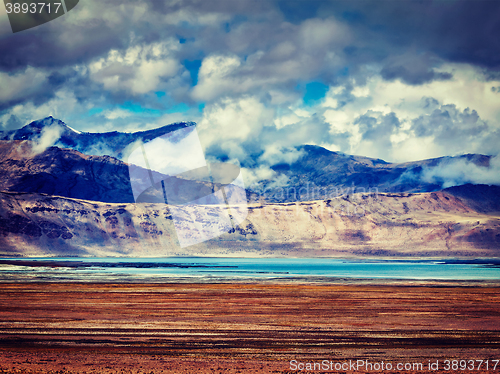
440,224
60,197
320,173
317,174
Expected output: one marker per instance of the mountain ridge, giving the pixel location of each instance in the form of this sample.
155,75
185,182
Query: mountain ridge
89,143
60,170
69,173
320,173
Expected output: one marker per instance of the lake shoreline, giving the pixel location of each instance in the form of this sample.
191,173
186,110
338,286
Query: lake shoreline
303,281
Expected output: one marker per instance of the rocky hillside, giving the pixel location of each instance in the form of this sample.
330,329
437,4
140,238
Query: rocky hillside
437,224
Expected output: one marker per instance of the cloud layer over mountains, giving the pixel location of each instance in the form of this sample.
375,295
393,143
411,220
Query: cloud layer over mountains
394,80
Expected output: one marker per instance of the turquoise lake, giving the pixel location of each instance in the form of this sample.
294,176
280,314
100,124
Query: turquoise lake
221,269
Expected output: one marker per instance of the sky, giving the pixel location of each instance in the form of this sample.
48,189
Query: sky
396,80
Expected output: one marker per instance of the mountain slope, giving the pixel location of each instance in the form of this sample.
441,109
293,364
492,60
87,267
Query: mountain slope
68,173
481,198
63,172
317,174
437,224
62,202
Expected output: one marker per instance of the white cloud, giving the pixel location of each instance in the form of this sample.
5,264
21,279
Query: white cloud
231,122
274,155
458,172
469,100
116,113
214,77
170,154
340,120
20,85
465,90
49,136
138,70
291,115
361,91
253,176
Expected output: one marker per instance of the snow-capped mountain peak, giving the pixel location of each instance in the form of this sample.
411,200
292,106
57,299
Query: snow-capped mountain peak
97,144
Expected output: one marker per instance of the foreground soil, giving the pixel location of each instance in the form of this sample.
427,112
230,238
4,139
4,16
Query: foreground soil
245,328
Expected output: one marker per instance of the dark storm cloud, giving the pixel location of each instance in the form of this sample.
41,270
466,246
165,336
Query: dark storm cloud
377,128
40,86
429,103
55,44
449,123
457,130
412,74
458,31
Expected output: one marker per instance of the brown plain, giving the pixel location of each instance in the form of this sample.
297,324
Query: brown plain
239,328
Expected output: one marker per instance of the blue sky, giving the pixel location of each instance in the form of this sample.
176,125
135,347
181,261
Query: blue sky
397,80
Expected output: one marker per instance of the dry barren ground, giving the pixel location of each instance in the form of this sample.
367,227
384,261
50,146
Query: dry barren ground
243,328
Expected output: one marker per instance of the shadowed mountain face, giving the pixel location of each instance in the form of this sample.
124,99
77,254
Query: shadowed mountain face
63,172
318,175
321,174
68,173
108,143
481,198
